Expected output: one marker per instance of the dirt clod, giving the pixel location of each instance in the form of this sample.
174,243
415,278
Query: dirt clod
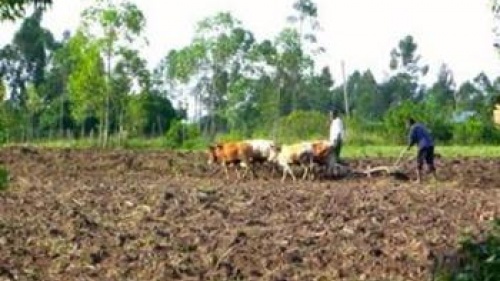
159,215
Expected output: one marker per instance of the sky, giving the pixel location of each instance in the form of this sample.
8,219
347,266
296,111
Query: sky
359,32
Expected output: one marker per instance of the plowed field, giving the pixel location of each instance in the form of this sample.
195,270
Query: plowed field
160,215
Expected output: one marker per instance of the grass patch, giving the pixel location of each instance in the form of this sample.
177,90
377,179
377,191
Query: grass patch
445,151
478,260
4,179
348,151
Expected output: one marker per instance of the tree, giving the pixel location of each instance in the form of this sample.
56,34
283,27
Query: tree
495,9
25,59
216,63
34,105
407,71
320,93
115,27
13,9
86,85
3,91
367,101
443,90
306,17
54,89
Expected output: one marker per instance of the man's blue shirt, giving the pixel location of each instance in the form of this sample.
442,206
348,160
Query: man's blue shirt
420,135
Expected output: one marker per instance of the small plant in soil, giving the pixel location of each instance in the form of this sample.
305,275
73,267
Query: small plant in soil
4,178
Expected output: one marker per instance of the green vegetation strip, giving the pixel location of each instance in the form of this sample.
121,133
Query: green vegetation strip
349,151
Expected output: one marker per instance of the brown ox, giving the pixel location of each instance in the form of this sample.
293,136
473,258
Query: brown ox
232,153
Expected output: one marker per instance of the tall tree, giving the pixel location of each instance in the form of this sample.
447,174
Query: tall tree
34,105
407,71
443,90
216,62
57,117
320,93
116,27
14,9
367,101
305,18
86,85
25,59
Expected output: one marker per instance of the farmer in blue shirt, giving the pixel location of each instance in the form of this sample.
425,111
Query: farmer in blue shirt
420,136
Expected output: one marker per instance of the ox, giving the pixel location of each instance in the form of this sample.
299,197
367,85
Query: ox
305,154
232,153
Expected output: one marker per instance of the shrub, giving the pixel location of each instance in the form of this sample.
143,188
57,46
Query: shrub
232,136
474,131
4,178
300,125
481,261
179,133
437,121
364,132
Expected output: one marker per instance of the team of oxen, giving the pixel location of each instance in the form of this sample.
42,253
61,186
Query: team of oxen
245,154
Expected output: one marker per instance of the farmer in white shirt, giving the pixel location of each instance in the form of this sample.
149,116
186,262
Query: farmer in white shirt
337,134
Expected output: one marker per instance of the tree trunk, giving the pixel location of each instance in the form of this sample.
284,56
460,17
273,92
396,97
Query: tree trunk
101,132
106,122
108,93
61,121
160,127
82,133
120,128
32,127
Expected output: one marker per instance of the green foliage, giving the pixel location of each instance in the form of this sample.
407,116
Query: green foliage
395,120
87,81
4,178
181,135
362,132
241,87
25,59
3,129
437,122
232,136
300,125
14,9
474,131
481,260
148,113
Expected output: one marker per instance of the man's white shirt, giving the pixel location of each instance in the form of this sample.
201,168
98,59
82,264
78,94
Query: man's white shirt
336,130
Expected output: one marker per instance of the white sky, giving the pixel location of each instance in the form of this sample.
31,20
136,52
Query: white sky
362,32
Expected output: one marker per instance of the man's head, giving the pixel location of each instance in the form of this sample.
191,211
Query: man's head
334,113
409,122
213,153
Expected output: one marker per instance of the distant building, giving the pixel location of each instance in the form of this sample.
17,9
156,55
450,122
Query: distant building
496,114
462,116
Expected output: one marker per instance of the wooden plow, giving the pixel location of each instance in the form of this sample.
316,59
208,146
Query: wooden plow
395,170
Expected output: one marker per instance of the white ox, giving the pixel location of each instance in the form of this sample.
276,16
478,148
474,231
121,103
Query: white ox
261,149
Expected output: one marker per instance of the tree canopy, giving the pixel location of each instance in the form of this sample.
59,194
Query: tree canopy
95,83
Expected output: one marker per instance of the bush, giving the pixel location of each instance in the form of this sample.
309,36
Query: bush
363,132
181,134
481,261
436,120
301,125
474,131
232,136
4,178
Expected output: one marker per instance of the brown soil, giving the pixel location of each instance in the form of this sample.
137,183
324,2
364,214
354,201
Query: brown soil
159,215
